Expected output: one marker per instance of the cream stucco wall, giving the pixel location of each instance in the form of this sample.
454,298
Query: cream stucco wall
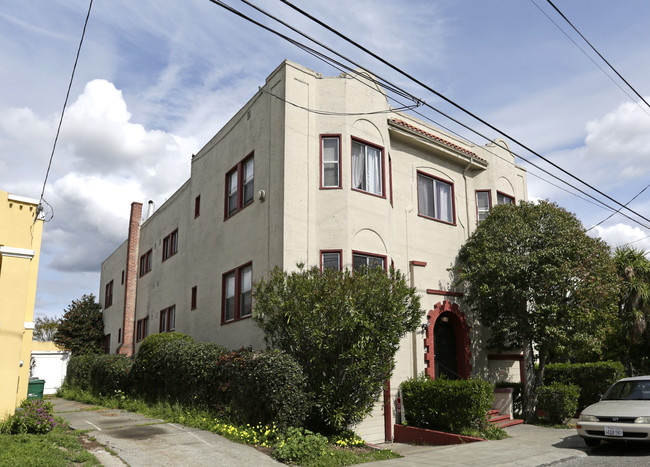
292,219
20,242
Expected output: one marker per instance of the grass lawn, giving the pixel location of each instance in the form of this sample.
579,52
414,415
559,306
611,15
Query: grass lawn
59,447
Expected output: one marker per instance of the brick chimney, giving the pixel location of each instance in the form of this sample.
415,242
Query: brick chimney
130,281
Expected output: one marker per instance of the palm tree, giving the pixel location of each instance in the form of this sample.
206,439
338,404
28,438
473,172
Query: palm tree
634,300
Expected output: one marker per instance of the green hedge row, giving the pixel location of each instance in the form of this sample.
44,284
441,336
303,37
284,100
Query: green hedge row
447,405
592,378
248,386
558,402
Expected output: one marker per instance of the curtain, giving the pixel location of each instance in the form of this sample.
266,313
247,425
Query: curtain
373,170
425,196
358,166
443,201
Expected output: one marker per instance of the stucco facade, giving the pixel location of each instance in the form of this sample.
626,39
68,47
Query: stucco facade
318,170
20,243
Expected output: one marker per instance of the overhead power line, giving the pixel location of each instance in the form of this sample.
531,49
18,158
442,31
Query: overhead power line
458,106
598,53
382,82
65,103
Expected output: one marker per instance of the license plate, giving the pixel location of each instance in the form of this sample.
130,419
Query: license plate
613,431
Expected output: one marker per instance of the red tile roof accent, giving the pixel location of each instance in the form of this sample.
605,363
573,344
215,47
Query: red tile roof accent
436,138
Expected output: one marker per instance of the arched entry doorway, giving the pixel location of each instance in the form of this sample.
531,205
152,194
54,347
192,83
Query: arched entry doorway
447,342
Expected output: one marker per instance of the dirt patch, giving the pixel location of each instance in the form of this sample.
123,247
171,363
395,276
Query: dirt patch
89,444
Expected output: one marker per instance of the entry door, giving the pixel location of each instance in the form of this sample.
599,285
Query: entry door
444,349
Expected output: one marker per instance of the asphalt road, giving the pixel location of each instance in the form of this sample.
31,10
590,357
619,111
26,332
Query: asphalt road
612,454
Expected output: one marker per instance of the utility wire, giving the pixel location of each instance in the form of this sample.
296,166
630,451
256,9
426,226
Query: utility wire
458,106
619,210
65,104
599,54
387,85
618,85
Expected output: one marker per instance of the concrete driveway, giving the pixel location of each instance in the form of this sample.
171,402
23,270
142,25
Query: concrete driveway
137,440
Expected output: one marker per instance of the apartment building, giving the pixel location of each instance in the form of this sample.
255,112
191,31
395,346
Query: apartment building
318,170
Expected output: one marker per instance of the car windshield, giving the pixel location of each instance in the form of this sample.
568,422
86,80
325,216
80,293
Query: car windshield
628,390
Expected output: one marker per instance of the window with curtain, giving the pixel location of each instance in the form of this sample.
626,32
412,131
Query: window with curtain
367,168
240,186
435,198
237,294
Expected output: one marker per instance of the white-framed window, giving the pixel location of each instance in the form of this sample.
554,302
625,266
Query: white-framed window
483,204
502,198
360,260
367,168
330,155
330,259
435,198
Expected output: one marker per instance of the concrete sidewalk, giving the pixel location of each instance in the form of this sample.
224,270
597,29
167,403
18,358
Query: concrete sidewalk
528,445
140,441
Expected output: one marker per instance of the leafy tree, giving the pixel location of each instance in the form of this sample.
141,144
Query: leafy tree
630,339
539,283
343,329
45,328
81,329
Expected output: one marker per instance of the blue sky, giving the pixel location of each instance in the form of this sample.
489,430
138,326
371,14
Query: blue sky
156,80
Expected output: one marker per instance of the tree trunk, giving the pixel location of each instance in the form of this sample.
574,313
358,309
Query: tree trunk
530,382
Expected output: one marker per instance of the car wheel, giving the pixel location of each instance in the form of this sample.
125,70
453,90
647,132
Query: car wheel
592,442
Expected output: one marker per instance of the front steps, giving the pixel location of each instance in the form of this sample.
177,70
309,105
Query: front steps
500,420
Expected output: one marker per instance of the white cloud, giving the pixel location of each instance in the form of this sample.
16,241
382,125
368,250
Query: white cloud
623,234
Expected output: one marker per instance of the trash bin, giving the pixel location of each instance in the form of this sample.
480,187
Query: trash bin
35,388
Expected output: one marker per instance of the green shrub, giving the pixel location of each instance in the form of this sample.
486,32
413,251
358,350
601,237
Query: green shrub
153,376
110,373
300,446
517,396
558,402
33,417
343,329
78,371
447,405
592,378
262,386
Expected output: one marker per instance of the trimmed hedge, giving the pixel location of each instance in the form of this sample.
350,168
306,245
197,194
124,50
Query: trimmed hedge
558,401
447,405
78,370
110,373
592,378
249,386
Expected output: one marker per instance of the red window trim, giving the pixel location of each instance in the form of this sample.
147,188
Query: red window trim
194,298
146,262
514,200
170,248
237,273
320,165
444,292
165,321
383,168
239,168
108,295
340,252
453,197
197,206
476,192
373,255
142,326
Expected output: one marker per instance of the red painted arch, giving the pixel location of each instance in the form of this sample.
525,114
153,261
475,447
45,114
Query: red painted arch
461,330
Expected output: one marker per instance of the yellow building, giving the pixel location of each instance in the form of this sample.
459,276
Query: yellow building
20,243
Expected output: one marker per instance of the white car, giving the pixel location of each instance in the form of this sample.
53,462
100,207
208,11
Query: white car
623,413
